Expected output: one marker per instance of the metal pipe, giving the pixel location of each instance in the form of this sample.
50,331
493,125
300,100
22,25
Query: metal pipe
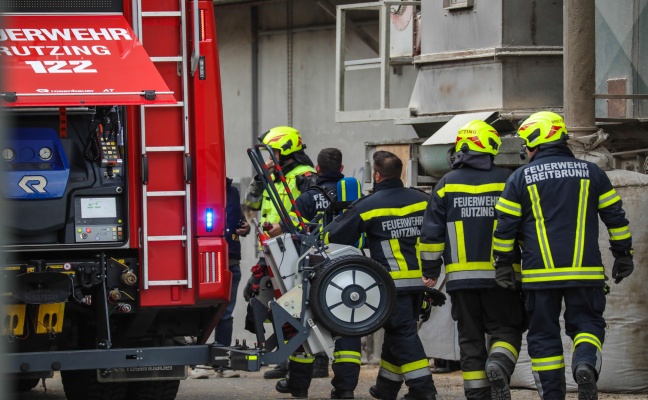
254,23
579,66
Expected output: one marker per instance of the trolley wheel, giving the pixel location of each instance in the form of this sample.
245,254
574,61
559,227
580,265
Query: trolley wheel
352,296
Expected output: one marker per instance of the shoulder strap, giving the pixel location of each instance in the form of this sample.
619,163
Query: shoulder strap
331,194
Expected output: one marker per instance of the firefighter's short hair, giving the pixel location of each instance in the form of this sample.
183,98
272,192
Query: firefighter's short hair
387,164
329,160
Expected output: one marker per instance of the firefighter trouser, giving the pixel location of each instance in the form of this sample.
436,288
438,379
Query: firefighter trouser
584,324
346,366
497,312
300,371
403,357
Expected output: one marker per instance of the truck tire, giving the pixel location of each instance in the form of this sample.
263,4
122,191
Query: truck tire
26,384
153,390
352,296
83,385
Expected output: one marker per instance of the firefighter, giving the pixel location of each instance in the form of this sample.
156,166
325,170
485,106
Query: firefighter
318,197
288,148
346,356
286,143
457,230
554,203
391,217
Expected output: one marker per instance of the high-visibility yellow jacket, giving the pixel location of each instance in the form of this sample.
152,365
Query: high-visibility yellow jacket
298,178
555,202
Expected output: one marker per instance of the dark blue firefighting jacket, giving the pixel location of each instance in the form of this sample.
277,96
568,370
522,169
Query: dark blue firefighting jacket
391,216
458,225
555,202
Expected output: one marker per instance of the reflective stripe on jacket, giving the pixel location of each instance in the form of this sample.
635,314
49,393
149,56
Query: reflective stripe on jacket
268,211
555,202
391,216
458,225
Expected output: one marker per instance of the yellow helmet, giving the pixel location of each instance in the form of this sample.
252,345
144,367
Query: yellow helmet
541,128
479,137
283,138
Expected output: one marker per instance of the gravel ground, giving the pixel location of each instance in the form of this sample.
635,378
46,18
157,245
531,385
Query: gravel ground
251,385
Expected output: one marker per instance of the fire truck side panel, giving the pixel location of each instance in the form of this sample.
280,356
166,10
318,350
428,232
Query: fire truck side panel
165,173
209,159
209,147
165,127
202,163
160,5
134,177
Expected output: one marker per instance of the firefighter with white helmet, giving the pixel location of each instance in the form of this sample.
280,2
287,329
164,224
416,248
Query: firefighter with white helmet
456,231
554,204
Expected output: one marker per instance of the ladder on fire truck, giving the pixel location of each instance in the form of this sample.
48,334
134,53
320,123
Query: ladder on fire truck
179,152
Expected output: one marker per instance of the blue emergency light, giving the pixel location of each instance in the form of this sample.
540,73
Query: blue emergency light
209,219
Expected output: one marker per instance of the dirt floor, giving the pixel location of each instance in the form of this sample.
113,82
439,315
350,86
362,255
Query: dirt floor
251,385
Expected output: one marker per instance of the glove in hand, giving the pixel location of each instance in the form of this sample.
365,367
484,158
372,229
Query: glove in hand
623,267
438,298
426,308
431,298
505,276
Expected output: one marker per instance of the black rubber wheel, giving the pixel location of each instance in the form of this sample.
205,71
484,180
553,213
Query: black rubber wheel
83,385
352,296
153,390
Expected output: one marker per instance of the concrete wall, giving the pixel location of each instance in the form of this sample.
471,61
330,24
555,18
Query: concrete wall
313,95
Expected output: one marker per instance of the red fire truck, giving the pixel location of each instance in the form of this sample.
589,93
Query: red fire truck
114,180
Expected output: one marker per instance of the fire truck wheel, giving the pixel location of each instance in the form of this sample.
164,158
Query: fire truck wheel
83,385
153,390
26,384
352,296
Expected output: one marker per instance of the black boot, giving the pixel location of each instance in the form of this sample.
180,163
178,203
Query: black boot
586,379
499,381
378,394
341,394
280,371
283,387
321,366
419,396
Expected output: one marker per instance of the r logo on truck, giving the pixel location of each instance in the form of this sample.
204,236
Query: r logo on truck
32,183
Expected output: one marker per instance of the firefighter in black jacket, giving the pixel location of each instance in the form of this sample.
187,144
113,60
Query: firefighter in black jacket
391,217
457,229
329,169
554,203
347,356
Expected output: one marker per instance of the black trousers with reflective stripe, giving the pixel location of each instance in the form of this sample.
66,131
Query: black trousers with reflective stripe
497,312
345,376
402,346
584,308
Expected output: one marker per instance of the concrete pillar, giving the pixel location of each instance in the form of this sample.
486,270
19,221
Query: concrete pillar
579,65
